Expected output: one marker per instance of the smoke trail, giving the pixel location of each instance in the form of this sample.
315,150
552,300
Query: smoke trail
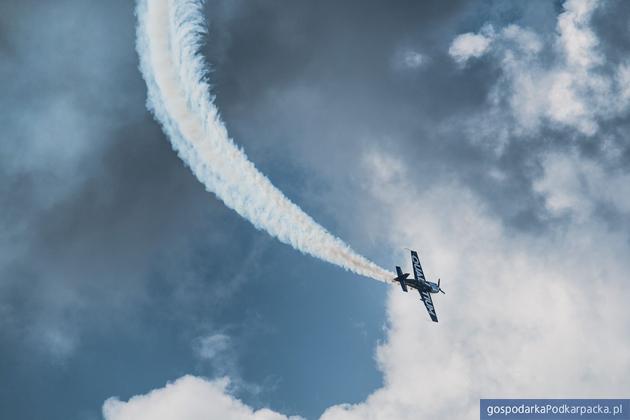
169,36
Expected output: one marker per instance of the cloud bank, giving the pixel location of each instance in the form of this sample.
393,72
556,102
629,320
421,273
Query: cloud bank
188,398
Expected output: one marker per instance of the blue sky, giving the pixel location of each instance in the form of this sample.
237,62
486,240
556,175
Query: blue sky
490,136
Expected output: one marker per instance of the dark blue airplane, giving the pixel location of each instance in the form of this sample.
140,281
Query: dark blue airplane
421,284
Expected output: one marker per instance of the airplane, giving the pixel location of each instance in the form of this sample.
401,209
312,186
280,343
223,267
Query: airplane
421,284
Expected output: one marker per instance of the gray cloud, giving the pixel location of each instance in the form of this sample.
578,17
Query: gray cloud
92,194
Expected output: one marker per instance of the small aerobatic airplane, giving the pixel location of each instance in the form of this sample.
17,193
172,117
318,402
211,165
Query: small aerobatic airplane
422,285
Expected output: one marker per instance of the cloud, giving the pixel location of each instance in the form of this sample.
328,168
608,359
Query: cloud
409,59
575,38
58,343
523,316
94,201
61,113
471,45
573,185
216,352
211,346
562,80
190,398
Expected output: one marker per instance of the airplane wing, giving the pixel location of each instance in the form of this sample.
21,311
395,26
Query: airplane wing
417,268
428,303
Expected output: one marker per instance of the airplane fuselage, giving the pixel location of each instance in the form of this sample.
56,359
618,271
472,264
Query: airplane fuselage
423,286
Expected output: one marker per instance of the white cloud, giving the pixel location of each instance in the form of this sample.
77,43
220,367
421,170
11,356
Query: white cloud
573,185
189,398
560,80
385,167
523,316
471,45
575,38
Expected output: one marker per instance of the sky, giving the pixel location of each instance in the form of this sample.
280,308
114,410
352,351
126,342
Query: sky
490,136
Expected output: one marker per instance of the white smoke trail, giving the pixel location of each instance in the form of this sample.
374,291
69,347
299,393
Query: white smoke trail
169,36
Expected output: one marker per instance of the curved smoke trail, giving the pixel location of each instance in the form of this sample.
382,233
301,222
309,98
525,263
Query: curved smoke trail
169,36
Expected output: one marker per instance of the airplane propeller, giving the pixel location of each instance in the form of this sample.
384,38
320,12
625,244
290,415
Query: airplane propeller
439,288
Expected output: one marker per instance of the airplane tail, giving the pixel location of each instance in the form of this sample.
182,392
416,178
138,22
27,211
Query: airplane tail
401,278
